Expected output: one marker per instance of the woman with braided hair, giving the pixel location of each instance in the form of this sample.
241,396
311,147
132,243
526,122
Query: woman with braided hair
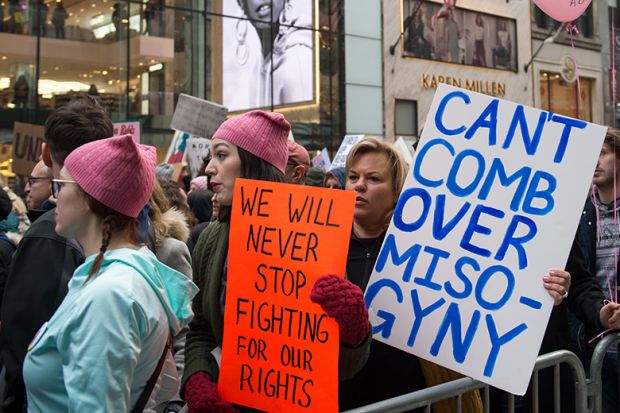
107,339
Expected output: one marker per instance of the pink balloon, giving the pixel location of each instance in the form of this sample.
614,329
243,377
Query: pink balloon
563,10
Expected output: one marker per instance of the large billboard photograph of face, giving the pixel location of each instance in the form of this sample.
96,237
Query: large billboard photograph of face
267,53
458,35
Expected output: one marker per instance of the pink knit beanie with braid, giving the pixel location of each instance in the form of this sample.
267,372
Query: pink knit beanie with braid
263,134
116,172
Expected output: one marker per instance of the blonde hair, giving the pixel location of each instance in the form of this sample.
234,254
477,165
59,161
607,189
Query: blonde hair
395,160
159,205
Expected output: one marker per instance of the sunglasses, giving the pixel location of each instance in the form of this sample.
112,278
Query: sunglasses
57,185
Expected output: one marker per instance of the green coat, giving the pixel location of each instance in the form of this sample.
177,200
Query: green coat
207,327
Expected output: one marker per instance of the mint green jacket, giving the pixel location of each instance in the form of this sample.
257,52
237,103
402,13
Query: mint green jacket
103,343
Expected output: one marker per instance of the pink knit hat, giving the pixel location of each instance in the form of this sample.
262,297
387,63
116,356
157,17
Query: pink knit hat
263,134
201,182
116,172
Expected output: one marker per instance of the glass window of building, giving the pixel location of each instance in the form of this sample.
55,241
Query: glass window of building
405,117
138,56
561,97
584,23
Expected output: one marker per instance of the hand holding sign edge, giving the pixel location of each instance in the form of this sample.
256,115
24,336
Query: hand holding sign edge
343,301
557,283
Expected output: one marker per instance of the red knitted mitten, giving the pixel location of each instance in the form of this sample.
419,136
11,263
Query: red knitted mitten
202,396
343,301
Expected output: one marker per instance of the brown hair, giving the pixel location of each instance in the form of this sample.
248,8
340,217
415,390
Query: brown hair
612,138
252,167
75,124
113,222
172,191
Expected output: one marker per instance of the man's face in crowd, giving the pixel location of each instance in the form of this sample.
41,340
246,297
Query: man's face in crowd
607,167
38,188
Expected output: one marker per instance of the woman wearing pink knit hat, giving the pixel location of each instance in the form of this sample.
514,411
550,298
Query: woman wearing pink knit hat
107,339
252,146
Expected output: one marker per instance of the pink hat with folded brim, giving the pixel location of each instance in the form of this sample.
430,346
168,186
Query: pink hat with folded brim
116,172
263,134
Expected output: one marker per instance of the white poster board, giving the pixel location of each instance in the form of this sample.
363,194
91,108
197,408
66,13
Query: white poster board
405,149
348,142
490,205
322,160
197,117
132,128
197,151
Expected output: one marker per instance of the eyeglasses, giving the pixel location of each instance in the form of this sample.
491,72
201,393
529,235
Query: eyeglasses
57,185
33,179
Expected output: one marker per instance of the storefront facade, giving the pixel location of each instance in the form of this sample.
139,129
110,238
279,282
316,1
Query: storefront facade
555,75
481,45
137,56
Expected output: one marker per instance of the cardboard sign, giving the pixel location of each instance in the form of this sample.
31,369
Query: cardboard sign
133,128
27,140
348,142
322,160
280,350
197,151
490,205
197,117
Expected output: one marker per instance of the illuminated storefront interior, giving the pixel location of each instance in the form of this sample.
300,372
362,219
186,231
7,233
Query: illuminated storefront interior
138,56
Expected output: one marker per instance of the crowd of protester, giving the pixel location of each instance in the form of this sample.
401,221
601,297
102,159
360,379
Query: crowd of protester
114,280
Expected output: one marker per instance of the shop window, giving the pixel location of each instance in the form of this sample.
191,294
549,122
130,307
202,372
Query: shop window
467,37
137,56
560,97
406,117
584,23
614,11
541,19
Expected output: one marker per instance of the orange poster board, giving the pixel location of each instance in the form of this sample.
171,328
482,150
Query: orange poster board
280,350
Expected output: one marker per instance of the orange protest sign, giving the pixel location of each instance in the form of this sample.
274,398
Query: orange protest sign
280,350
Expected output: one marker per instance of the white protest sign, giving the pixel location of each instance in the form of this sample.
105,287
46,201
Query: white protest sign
348,142
132,128
197,151
405,149
197,117
490,205
322,160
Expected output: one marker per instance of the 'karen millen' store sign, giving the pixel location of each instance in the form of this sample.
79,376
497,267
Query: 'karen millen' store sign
481,86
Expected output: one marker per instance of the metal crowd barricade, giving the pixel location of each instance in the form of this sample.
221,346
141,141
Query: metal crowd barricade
595,385
457,388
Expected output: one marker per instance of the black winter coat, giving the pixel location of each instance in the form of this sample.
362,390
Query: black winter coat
42,266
